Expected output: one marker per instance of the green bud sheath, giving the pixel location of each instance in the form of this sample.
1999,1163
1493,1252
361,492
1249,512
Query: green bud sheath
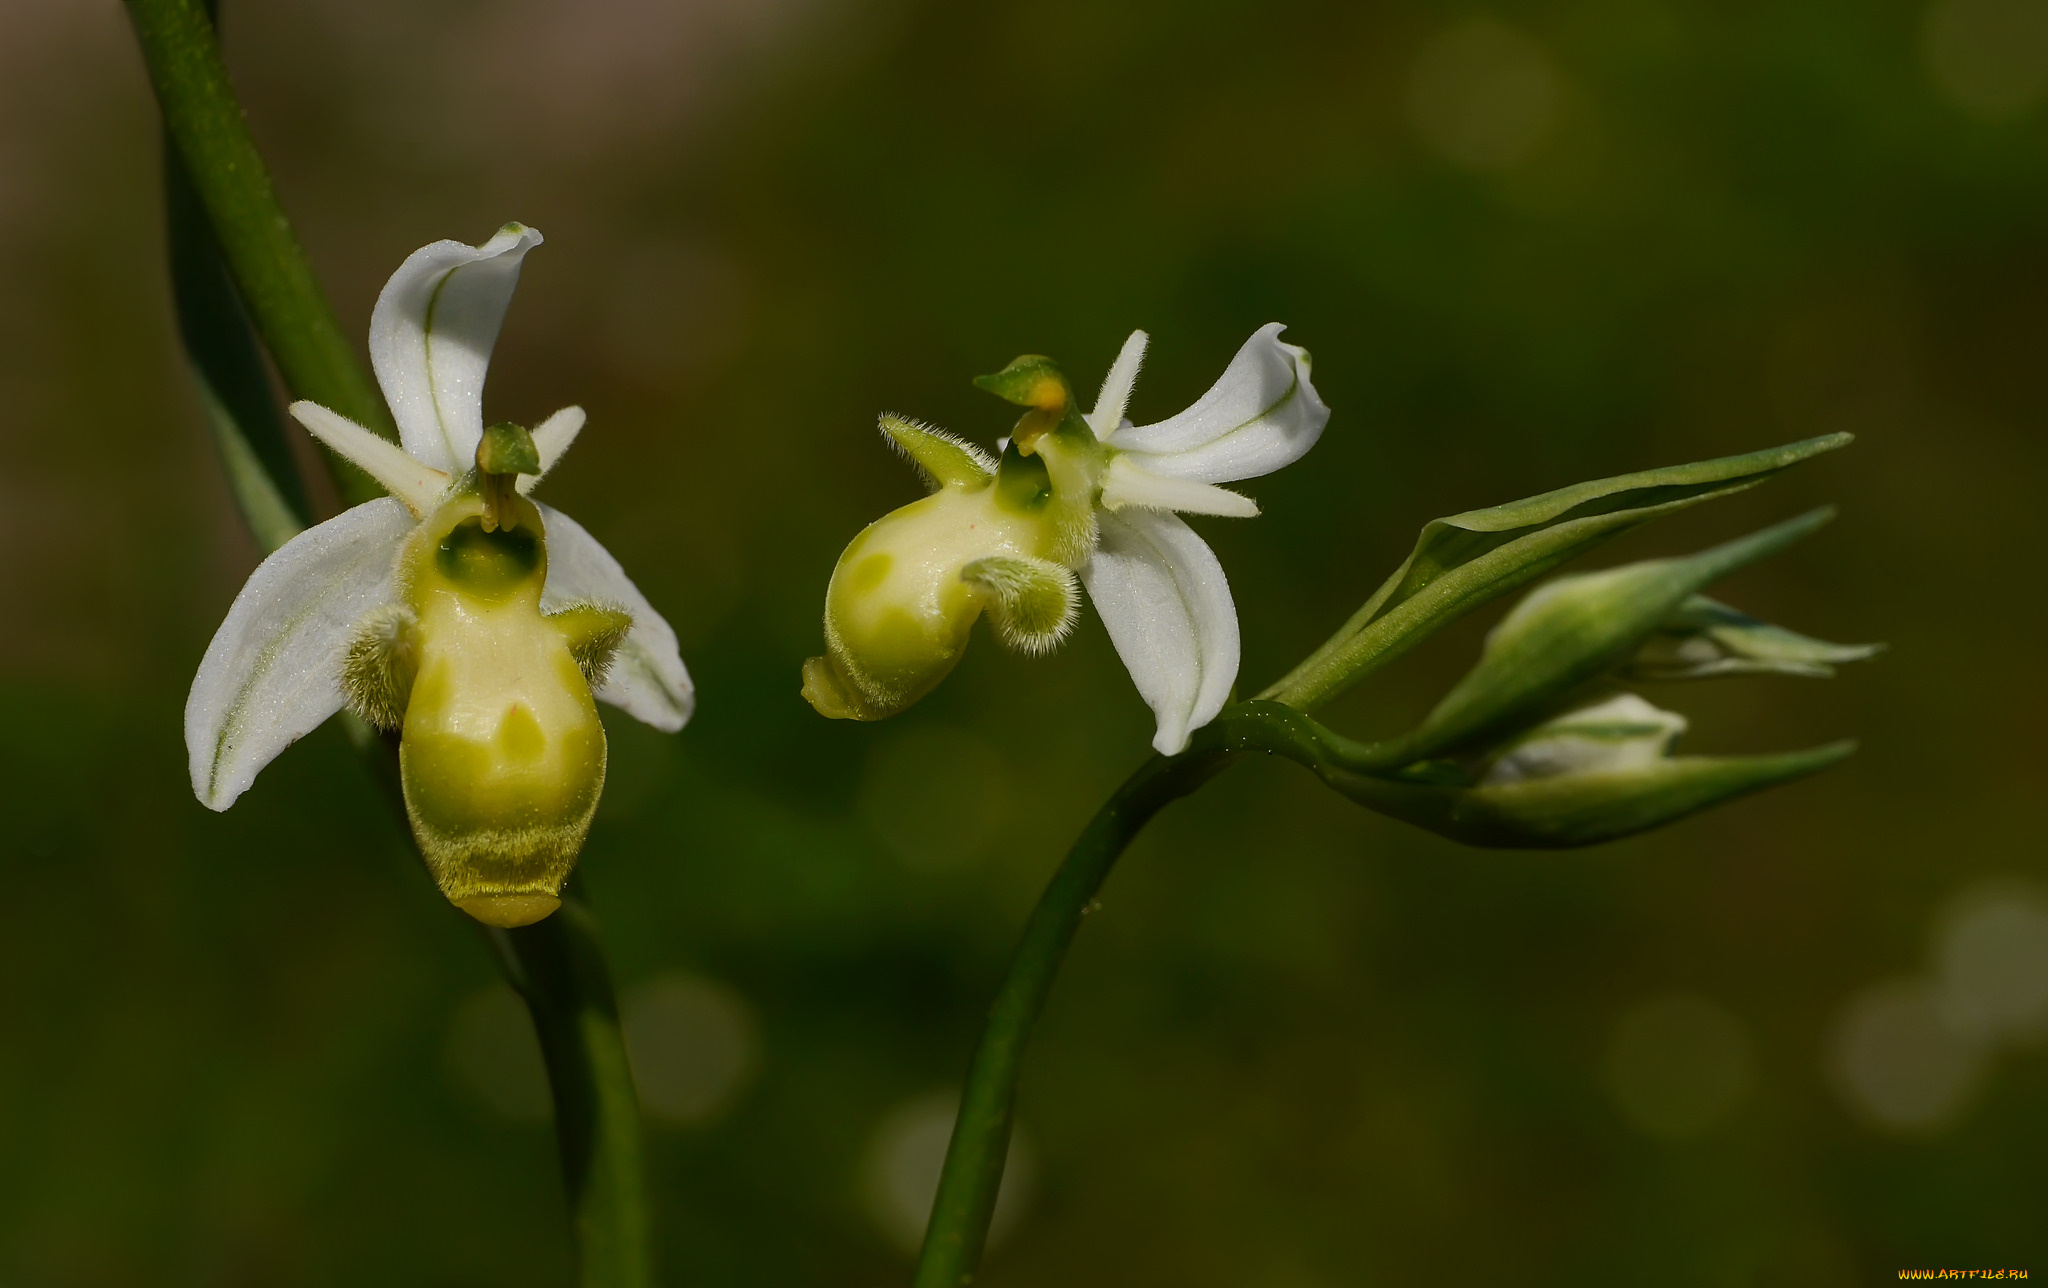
1579,809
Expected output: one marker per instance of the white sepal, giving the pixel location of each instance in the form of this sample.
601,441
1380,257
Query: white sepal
1116,387
647,679
273,671
1164,599
1126,483
431,336
551,438
1262,413
419,486
1611,736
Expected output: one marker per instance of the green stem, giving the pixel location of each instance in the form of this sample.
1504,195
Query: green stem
973,1170
558,966
270,269
224,224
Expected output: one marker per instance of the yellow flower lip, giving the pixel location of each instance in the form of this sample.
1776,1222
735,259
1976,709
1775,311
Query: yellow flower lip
898,611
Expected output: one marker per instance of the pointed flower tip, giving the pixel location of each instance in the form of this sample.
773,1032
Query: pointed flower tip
506,448
513,235
1262,413
1703,639
944,459
431,336
1032,380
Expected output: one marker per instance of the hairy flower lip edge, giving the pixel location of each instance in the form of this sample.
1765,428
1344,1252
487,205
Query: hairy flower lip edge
271,672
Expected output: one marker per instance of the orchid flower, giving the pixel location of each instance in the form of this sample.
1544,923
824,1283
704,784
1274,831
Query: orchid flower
1089,497
474,622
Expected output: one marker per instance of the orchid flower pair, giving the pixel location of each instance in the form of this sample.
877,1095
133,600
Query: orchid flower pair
476,623
482,627
1089,496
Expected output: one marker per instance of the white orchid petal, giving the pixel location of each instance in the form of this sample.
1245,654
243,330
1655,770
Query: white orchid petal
551,438
419,486
1116,387
1128,484
273,671
647,679
1262,413
1164,599
431,336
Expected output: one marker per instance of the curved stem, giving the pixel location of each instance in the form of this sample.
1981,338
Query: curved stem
981,1136
973,1171
558,966
270,269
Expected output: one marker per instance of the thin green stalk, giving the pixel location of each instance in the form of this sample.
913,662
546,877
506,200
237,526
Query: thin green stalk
973,1170
270,269
216,196
558,966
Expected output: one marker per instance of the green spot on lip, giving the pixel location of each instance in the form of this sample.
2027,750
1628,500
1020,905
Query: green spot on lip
488,564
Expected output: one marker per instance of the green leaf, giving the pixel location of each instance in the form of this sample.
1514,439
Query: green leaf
271,272
234,383
1465,560
1704,639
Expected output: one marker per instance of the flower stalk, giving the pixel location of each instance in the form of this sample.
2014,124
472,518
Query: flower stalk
973,1171
558,967
207,129
237,271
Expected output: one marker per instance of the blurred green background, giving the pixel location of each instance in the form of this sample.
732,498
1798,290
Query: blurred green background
1794,1041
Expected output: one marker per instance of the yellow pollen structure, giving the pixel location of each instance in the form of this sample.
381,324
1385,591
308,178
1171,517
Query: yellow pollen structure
1049,394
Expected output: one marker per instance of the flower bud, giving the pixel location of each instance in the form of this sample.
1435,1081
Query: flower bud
1593,774
1703,638
1574,629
